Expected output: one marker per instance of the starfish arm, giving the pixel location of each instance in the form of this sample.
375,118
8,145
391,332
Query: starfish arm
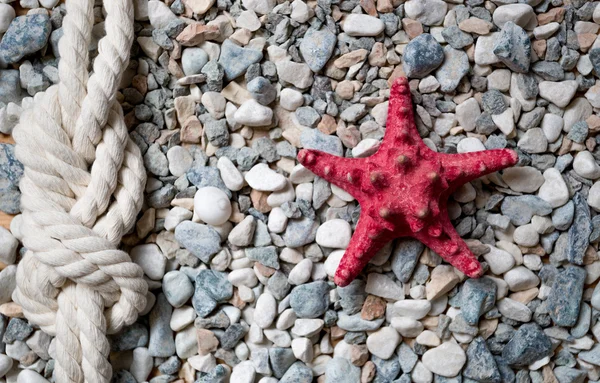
337,170
452,248
462,168
365,243
400,126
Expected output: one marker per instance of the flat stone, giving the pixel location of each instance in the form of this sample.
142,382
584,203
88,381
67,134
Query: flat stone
454,67
25,35
317,47
565,297
520,209
358,25
201,240
446,359
529,344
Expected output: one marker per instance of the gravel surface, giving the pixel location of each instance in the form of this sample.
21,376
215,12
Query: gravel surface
239,243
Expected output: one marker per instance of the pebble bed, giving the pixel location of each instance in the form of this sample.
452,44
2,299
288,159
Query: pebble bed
239,243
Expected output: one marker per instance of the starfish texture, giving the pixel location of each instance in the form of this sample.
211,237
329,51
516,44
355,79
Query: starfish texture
403,190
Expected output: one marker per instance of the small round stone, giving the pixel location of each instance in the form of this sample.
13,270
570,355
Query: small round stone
212,205
334,233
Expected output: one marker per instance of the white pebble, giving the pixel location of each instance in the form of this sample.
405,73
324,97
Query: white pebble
525,179
8,247
277,220
407,327
301,272
262,178
412,308
521,278
382,343
558,93
526,235
7,14
243,277
428,338
212,205
180,160
290,99
265,311
446,360
232,178
554,189
500,261
150,259
30,376
334,233
243,372
585,165
251,113
362,25
176,216
303,349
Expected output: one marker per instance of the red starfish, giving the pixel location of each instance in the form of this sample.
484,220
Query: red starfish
403,189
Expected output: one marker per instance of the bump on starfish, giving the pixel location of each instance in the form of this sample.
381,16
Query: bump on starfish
403,190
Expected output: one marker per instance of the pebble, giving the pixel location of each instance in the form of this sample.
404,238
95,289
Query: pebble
314,139
427,12
565,298
412,308
235,60
193,60
232,178
524,179
212,206
25,35
446,359
159,14
262,7
177,288
265,310
253,114
310,300
585,165
382,343
262,178
478,296
521,278
520,209
7,14
528,344
30,376
201,240
150,259
554,189
422,55
358,25
520,14
454,67
513,47
8,247
580,231
481,365
317,47
297,74
341,370
161,341
558,93
334,233
290,99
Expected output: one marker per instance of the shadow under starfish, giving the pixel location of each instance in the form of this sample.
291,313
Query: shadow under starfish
403,190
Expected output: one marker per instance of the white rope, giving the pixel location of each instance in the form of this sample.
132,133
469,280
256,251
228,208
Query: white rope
81,191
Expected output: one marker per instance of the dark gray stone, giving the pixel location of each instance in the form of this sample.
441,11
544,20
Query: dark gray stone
161,342
528,345
565,298
456,38
422,55
10,87
549,70
129,338
202,176
17,330
578,132
478,296
281,359
310,300
215,284
520,209
580,230
481,365
493,102
216,132
201,240
300,232
387,370
352,296
232,336
404,258
266,256
262,90
307,116
513,47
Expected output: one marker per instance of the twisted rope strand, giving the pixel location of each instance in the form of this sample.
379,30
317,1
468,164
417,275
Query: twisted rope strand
82,189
